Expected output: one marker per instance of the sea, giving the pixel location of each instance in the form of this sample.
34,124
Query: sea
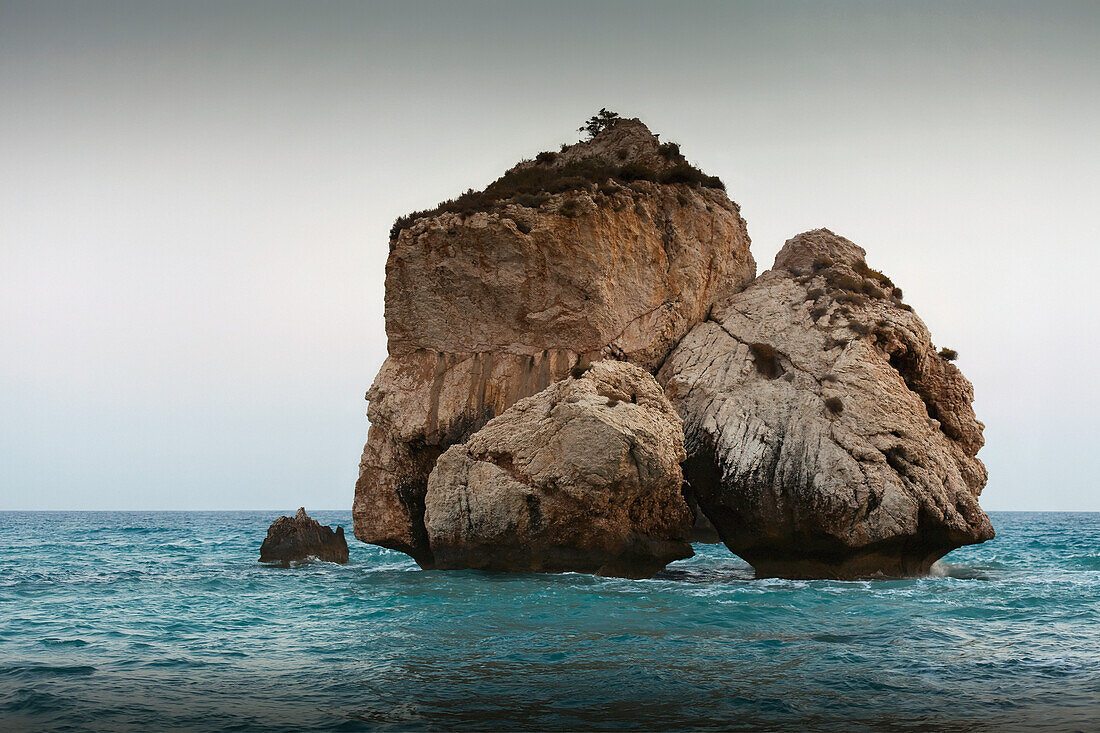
166,621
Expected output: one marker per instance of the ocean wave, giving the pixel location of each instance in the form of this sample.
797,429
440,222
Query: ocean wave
40,670
181,627
51,641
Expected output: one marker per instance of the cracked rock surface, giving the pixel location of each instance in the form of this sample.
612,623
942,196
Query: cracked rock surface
485,309
825,435
584,476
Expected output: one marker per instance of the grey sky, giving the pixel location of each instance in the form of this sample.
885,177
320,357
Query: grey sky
195,199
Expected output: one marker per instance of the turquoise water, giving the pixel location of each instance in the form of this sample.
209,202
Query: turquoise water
144,621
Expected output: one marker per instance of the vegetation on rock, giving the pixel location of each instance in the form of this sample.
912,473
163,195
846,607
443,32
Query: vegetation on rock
597,123
766,359
532,185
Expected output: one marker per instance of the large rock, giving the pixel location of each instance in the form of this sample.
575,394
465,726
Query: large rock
488,307
825,435
301,538
584,476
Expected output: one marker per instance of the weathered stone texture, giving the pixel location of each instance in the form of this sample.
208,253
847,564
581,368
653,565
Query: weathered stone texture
825,436
483,310
584,476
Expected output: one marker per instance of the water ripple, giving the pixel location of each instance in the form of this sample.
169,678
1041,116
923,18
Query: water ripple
131,621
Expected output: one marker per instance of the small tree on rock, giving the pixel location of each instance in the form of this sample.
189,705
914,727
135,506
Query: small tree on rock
599,122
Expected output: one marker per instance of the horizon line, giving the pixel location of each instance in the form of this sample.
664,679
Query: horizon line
212,511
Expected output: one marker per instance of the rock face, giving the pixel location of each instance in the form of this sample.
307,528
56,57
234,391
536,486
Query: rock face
584,476
825,435
514,424
294,540
487,307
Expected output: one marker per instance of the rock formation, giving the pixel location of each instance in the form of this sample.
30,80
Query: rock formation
614,247
301,538
583,476
825,435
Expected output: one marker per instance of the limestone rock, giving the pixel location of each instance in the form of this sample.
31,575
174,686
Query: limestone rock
584,476
301,538
488,307
825,436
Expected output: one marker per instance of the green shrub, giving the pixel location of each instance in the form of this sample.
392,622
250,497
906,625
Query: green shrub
766,359
692,176
871,290
569,208
570,183
835,405
949,354
532,200
863,269
636,172
597,123
670,151
529,185
404,221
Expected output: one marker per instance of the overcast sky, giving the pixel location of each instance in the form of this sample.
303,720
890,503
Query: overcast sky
195,199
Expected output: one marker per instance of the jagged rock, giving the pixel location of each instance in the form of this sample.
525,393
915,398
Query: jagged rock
301,538
825,436
584,476
486,307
